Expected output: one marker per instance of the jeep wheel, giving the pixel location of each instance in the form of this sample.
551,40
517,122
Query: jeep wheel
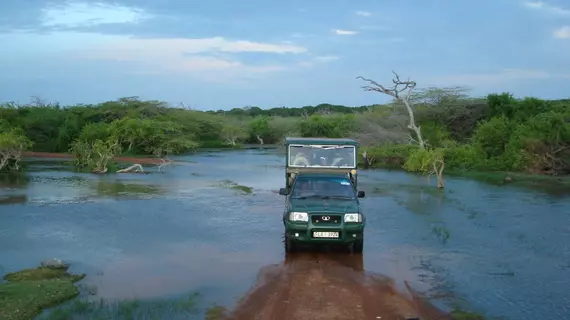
358,246
289,245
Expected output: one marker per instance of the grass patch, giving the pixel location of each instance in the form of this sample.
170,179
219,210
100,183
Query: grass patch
128,309
548,184
29,291
216,312
464,315
112,188
238,187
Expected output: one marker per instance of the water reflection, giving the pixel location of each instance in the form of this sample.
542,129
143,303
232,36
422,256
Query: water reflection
13,180
13,199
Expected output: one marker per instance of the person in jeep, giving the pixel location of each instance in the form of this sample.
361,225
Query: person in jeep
303,190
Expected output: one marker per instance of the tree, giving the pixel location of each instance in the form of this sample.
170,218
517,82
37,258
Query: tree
95,155
12,143
402,92
233,132
423,158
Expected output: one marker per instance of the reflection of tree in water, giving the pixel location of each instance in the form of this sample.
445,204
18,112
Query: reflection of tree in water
419,199
13,199
13,180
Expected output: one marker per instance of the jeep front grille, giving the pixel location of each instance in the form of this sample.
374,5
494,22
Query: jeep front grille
326,219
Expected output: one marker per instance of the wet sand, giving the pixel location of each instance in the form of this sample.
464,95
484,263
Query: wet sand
329,286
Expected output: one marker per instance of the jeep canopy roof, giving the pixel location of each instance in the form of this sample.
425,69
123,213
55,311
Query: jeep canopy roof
320,141
338,155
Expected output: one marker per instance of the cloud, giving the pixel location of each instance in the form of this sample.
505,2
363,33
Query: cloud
363,13
543,6
326,58
83,14
503,76
201,57
562,33
345,32
119,46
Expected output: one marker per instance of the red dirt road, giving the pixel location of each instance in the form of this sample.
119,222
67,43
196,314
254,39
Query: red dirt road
329,286
132,160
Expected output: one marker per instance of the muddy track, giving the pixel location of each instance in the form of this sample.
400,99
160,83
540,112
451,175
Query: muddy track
321,286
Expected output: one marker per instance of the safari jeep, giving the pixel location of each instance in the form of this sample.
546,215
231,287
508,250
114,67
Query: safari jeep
322,205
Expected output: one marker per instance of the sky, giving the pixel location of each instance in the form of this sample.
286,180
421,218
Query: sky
224,54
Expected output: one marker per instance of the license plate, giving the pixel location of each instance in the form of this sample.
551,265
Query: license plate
325,234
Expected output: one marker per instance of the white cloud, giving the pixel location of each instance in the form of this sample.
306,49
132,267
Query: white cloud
543,6
78,14
503,76
363,13
198,57
562,33
326,58
133,48
344,32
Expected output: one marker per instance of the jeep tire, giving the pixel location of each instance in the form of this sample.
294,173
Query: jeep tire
358,246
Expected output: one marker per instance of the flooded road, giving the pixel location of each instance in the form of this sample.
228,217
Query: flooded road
498,250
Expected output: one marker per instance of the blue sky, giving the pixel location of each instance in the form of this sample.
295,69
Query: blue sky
224,54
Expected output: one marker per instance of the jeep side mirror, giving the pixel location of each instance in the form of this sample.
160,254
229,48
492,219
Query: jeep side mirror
283,192
361,194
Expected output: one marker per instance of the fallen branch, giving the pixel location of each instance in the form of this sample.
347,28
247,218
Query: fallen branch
135,168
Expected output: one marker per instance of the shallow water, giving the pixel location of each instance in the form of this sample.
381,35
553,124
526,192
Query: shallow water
500,250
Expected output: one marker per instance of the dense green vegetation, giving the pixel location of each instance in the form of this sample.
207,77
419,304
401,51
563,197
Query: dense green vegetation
496,133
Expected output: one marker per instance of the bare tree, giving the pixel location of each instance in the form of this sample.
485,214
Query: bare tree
325,112
260,139
429,161
401,91
37,101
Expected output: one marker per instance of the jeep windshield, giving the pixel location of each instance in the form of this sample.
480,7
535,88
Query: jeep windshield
318,156
323,188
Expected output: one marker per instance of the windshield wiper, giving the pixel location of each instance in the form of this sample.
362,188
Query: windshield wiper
306,197
338,197
323,197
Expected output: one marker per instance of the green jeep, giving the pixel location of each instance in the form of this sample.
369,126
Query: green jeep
321,205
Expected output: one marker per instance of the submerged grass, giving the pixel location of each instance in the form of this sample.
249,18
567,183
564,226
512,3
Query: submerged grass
464,315
29,291
183,308
238,187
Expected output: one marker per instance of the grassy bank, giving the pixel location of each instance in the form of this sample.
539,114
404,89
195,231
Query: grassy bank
26,293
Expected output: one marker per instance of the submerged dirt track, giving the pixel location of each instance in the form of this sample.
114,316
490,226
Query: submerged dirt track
329,286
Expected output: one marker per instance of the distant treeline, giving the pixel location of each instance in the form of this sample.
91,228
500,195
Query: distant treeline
292,112
498,132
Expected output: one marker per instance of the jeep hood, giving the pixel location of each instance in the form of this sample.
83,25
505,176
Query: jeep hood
328,205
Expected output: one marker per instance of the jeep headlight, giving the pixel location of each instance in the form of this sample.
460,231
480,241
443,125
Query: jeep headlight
299,216
353,217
